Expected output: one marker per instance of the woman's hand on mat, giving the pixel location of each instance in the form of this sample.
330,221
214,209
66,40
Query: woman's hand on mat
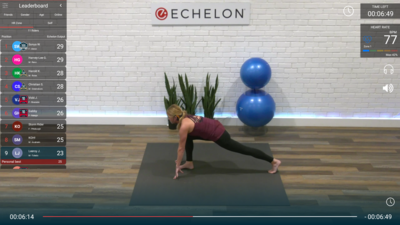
176,172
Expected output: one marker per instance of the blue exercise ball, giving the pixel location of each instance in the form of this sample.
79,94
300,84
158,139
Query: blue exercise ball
255,73
255,108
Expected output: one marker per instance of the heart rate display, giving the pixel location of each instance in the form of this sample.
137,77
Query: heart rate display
380,40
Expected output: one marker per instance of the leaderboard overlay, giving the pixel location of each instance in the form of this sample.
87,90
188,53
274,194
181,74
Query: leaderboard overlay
33,83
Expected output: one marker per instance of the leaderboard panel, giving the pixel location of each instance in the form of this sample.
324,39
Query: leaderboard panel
33,83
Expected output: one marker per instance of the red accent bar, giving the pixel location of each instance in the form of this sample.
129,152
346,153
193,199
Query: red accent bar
116,216
16,27
394,50
31,0
33,161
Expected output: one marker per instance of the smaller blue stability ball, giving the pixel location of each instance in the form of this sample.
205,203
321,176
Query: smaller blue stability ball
255,108
255,73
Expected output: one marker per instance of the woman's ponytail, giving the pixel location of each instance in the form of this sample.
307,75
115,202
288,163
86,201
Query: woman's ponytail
181,117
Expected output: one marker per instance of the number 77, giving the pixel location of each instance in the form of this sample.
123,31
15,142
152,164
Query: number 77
388,37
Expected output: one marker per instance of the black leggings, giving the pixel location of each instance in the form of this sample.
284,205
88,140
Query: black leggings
226,142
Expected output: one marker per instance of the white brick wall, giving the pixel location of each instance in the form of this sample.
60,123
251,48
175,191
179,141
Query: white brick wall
117,59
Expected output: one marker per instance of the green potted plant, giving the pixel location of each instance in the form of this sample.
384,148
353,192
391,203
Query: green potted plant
172,98
208,99
189,98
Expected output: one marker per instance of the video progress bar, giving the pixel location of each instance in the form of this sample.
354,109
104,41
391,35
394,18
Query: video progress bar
277,216
199,216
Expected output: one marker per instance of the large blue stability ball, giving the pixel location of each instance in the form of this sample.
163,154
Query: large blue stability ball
255,73
255,108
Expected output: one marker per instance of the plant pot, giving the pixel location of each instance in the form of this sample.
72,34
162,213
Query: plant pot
172,126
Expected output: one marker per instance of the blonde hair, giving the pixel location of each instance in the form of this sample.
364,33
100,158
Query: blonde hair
175,110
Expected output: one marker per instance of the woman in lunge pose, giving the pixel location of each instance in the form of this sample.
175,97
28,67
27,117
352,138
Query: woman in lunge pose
196,127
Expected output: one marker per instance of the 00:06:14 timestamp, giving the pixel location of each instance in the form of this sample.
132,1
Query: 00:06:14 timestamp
22,216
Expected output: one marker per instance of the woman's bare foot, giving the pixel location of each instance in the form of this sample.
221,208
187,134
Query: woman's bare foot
275,165
187,165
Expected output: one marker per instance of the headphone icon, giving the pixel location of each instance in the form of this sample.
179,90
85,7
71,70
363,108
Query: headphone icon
391,70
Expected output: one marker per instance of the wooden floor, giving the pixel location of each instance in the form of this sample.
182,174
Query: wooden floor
321,166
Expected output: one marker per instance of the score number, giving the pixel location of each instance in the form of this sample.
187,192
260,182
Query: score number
60,99
60,73
60,112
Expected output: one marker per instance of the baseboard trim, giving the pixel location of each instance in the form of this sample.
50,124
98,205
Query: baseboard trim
307,122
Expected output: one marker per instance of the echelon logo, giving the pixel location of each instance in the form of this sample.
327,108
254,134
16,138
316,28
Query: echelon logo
161,13
200,13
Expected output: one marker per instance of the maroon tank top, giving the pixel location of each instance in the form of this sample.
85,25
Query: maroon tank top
206,128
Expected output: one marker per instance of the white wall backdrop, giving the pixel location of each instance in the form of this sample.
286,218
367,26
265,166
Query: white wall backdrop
116,59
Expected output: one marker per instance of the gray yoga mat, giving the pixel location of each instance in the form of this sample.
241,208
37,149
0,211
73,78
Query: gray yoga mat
219,178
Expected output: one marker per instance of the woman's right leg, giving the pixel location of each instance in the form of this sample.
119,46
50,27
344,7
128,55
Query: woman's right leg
228,143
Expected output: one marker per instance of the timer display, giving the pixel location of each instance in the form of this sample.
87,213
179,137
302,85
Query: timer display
380,11
379,216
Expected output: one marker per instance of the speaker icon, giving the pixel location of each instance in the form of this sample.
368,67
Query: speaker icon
388,88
